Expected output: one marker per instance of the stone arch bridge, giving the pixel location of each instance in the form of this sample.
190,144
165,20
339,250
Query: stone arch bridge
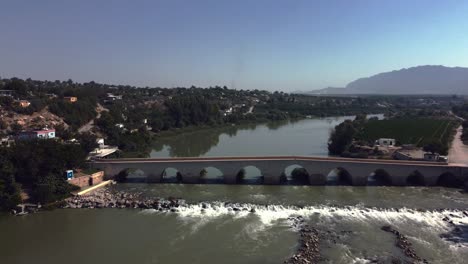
353,171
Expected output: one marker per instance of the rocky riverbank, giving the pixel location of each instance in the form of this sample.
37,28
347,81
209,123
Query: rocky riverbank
105,198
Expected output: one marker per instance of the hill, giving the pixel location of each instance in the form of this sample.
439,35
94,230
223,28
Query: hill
428,79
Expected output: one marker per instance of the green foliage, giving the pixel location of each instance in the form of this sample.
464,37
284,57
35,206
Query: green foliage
122,176
192,110
75,114
341,137
16,128
19,86
6,102
34,159
417,131
51,188
62,132
39,165
87,141
9,190
436,147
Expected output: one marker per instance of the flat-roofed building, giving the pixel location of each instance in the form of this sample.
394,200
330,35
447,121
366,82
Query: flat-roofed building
37,134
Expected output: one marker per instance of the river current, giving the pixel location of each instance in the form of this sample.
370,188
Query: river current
218,225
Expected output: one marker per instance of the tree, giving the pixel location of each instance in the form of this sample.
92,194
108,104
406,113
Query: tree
341,137
3,125
51,188
87,141
62,132
18,86
16,128
41,164
9,193
436,147
9,189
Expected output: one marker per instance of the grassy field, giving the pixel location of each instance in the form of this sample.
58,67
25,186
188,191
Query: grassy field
408,131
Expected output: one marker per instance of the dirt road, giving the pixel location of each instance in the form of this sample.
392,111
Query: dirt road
458,152
87,127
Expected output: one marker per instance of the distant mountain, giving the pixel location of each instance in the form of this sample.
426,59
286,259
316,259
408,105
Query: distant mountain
329,90
416,80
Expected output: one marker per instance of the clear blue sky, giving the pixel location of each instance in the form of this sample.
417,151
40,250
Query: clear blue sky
244,44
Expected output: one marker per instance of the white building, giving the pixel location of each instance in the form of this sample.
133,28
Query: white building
385,142
100,141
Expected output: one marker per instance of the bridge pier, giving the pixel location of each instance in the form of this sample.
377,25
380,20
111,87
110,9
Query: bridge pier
317,179
190,177
271,179
359,180
153,177
230,174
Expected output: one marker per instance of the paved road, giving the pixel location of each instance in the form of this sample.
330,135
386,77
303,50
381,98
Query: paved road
458,152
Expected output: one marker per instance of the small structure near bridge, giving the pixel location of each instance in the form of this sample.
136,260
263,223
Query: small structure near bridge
385,142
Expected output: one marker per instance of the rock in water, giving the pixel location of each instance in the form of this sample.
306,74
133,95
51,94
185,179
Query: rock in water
308,251
403,243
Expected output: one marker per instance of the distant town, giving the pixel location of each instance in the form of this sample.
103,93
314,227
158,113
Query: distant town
63,124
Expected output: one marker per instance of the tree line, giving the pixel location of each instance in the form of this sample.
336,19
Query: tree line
39,167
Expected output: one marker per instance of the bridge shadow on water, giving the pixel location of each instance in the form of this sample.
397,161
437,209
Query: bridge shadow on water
212,181
136,180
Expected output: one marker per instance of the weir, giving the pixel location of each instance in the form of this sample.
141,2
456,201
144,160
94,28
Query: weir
357,172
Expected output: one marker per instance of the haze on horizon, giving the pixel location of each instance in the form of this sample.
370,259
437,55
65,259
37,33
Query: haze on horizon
272,45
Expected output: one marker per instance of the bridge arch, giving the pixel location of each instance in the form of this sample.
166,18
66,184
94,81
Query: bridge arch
339,176
295,174
131,175
416,178
171,175
211,175
379,177
249,175
448,179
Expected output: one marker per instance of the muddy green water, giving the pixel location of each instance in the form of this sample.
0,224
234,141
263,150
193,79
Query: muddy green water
208,230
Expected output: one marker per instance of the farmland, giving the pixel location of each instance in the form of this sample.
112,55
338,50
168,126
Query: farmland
408,130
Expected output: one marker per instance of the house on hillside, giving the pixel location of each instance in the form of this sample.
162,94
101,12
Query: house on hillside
112,97
70,99
24,103
51,95
100,141
45,133
8,93
385,142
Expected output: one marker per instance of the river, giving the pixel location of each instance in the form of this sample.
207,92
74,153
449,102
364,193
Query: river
208,230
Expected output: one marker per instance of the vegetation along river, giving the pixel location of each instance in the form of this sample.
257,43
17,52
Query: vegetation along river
248,223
